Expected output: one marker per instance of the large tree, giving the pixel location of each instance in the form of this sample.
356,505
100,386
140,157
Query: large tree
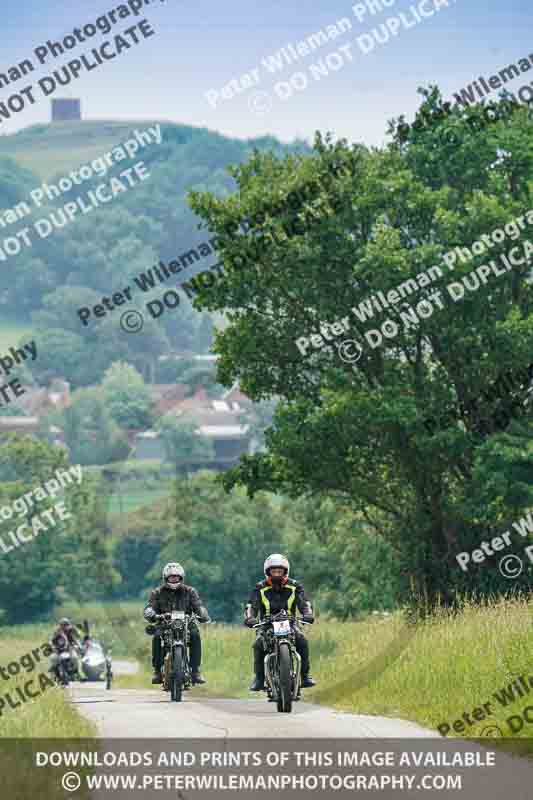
183,445
307,238
127,396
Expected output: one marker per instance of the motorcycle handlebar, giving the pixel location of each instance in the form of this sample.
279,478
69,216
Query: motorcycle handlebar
167,617
293,620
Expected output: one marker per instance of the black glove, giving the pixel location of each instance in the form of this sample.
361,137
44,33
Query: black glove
308,618
250,622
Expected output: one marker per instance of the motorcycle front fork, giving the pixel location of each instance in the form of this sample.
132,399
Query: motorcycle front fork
166,671
272,694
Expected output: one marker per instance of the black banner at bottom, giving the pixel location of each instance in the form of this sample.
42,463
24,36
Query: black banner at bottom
192,769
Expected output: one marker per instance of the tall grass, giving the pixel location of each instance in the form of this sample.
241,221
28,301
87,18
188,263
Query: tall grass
430,675
50,714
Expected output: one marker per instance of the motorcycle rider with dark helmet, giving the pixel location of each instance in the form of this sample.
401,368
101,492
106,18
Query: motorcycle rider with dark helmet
276,593
175,595
66,630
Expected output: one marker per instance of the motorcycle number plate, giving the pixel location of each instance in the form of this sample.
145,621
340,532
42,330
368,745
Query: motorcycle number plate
178,614
282,627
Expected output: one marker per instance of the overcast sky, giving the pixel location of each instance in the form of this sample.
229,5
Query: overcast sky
202,46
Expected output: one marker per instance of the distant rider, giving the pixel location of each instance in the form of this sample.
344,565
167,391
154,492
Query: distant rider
66,630
174,595
276,593
66,636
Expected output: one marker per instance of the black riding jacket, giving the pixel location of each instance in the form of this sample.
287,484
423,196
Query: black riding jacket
184,598
266,599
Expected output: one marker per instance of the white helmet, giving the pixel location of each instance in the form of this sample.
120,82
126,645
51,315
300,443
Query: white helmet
173,574
276,560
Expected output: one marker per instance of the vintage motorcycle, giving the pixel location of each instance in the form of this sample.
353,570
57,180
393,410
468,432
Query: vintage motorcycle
67,664
283,665
176,639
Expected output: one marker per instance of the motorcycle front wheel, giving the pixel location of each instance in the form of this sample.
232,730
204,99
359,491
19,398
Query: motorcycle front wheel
62,676
285,679
176,675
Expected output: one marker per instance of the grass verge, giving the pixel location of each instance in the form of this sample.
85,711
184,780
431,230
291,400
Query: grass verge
451,665
24,718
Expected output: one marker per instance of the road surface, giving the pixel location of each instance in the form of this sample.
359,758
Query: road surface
129,717
149,713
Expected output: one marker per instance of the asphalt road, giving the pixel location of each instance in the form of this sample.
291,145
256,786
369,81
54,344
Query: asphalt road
140,714
149,713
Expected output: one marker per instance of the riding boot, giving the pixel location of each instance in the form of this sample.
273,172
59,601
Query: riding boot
302,646
195,655
157,660
259,668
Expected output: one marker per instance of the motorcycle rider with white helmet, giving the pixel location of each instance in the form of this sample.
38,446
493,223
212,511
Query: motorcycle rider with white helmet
175,595
276,593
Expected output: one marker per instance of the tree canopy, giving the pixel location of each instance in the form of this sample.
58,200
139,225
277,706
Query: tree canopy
376,218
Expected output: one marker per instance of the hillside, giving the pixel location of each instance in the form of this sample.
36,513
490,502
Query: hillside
71,267
49,150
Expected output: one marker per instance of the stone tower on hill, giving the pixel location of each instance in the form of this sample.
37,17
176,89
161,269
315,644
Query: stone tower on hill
66,110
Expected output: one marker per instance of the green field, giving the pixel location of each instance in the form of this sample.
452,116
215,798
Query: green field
124,501
51,149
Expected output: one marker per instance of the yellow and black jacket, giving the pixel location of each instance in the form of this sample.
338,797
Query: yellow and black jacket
267,599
